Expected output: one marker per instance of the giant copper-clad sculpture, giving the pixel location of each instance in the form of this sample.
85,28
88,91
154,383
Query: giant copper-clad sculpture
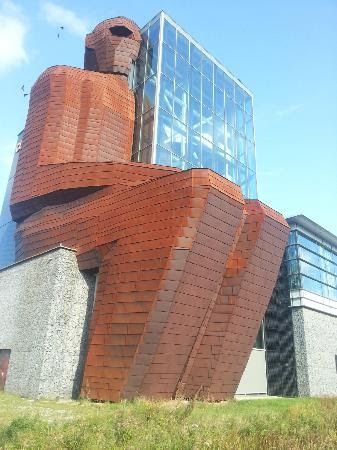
185,265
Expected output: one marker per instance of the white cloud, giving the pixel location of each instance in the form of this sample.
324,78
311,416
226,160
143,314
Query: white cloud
57,15
287,111
13,31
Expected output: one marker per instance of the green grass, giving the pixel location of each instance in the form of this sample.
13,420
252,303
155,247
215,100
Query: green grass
248,424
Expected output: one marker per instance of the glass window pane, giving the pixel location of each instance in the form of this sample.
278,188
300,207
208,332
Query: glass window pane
239,96
194,149
140,66
230,140
169,34
252,191
195,57
147,129
242,178
136,136
220,162
230,115
182,68
177,162
152,61
219,103
230,168
180,104
218,77
145,38
207,93
308,243
219,132
291,252
145,155
240,149
240,122
163,156
207,68
207,123
250,148
295,282
179,138
167,64
139,99
249,128
194,115
154,33
164,131
248,104
195,83
166,94
312,285
206,154
182,46
149,93
229,86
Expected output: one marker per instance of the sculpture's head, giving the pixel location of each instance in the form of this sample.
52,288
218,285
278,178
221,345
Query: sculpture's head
112,46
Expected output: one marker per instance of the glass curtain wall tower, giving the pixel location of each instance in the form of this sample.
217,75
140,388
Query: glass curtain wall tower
190,111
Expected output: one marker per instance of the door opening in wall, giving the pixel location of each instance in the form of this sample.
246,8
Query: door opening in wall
4,363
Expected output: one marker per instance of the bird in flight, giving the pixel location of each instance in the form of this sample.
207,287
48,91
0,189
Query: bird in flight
59,33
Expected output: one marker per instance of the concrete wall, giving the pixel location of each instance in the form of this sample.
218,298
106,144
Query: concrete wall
315,338
254,378
45,304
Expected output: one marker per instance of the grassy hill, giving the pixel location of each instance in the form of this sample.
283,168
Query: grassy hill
248,424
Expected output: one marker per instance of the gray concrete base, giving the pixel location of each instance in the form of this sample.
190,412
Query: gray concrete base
315,339
45,306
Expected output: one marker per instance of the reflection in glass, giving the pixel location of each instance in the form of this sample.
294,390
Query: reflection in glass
252,192
207,123
152,61
139,100
207,93
167,63
230,115
154,33
195,56
240,149
207,68
166,94
250,155
240,123
147,129
194,115
182,68
248,104
219,132
179,138
219,103
164,131
182,45
195,84
163,156
218,77
219,162
230,168
177,162
149,93
229,86
242,179
230,141
206,154
249,129
239,96
180,104
194,149
169,35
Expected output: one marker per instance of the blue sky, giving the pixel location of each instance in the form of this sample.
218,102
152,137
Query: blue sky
285,52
